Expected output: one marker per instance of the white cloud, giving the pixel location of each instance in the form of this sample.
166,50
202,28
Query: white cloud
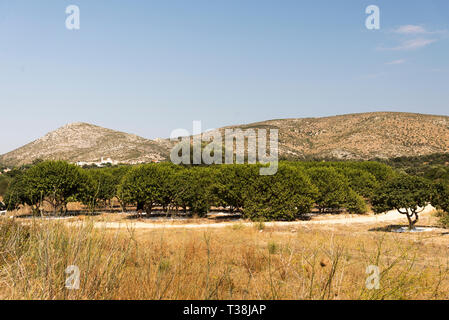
394,62
412,44
410,29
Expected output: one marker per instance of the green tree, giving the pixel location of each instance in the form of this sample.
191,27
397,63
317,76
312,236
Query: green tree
192,189
56,182
20,193
355,203
361,181
98,188
5,180
140,186
333,188
441,196
282,196
118,173
230,185
406,194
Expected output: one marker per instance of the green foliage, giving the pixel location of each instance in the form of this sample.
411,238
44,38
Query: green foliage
406,194
282,196
405,191
55,182
441,196
140,186
231,184
98,187
333,188
355,203
193,189
4,184
19,194
362,182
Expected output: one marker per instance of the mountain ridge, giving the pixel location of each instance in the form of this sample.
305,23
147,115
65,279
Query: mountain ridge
356,136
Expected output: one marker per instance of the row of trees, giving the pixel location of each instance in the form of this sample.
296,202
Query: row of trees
294,190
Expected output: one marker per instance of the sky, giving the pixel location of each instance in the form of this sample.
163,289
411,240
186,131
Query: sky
149,67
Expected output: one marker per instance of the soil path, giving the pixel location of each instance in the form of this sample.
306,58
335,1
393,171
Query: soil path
341,220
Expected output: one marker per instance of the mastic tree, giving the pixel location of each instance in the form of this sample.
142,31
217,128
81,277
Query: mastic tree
5,180
440,198
361,181
230,184
333,188
19,193
54,182
355,203
98,188
283,196
118,174
409,195
192,189
140,186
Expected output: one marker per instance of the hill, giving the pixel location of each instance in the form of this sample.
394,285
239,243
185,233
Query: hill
353,136
361,136
86,142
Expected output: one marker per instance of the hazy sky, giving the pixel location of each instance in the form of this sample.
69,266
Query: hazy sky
148,67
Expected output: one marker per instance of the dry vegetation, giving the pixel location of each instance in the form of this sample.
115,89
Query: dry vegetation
237,262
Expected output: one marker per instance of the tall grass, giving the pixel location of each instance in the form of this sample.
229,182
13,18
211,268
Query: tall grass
234,263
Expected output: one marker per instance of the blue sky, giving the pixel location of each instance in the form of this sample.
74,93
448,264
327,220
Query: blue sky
149,67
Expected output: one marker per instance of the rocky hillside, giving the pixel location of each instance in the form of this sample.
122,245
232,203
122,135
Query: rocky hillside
362,136
353,136
86,142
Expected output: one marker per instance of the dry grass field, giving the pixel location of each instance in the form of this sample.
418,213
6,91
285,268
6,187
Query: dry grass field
236,262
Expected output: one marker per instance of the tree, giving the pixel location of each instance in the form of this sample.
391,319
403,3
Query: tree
56,182
362,182
333,188
282,196
20,193
441,196
192,189
355,203
98,187
141,187
5,180
166,188
118,174
230,185
406,194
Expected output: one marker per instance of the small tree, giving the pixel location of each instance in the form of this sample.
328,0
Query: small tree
141,187
407,194
333,188
55,182
192,189
283,196
231,183
98,187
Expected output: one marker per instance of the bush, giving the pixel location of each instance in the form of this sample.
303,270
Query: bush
333,188
404,193
355,203
282,196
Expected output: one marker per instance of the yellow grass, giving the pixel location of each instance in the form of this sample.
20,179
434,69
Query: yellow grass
237,262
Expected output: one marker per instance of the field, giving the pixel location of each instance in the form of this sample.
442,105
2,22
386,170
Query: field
238,261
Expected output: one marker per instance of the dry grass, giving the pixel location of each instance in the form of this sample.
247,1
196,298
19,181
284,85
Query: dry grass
237,262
